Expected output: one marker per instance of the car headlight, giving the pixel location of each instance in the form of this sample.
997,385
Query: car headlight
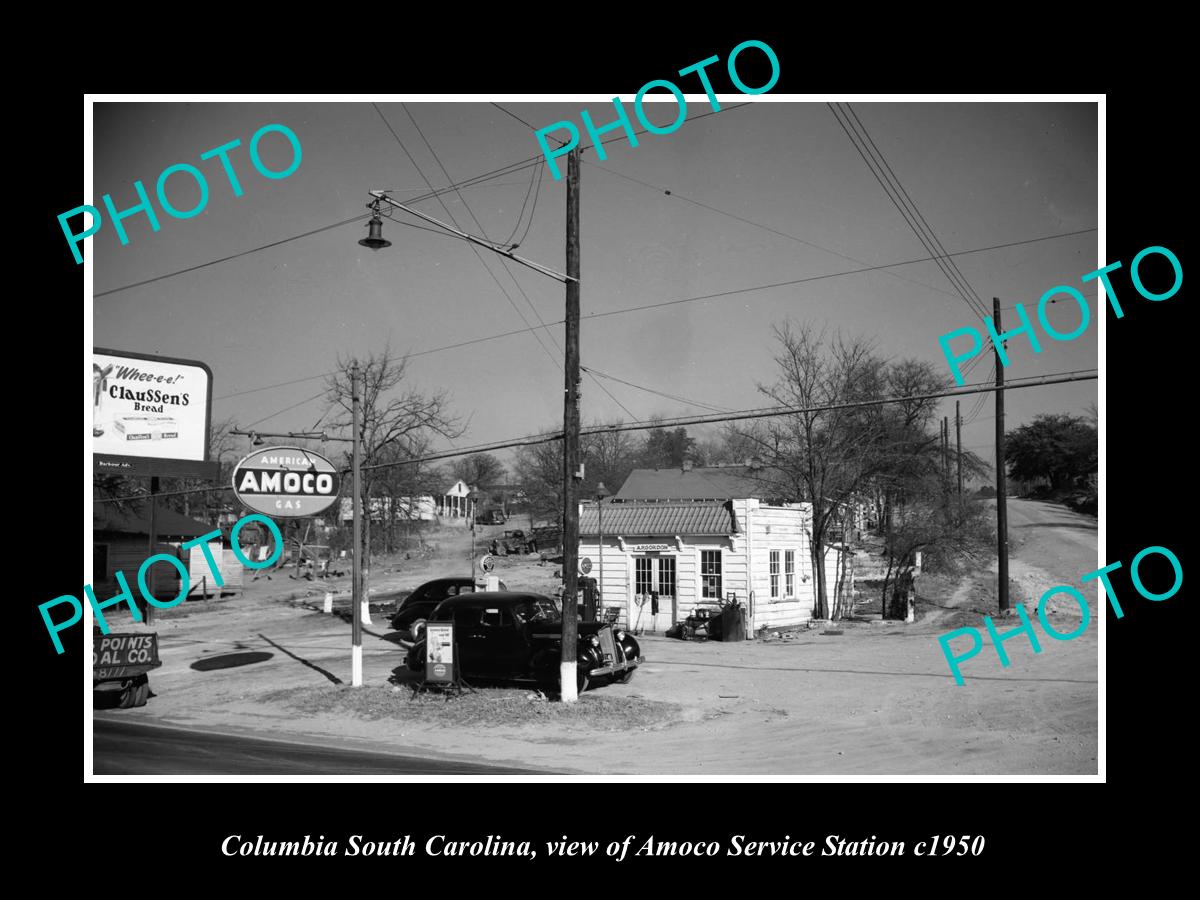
620,635
595,641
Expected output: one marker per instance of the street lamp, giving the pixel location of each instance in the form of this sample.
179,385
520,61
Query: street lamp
601,493
375,239
473,496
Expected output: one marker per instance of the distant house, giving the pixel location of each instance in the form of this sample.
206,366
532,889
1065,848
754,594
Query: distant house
454,507
120,540
691,537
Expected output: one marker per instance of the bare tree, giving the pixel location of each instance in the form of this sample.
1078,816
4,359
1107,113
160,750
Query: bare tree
394,420
609,457
821,455
478,469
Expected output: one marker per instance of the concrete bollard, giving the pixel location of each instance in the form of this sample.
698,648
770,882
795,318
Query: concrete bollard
329,602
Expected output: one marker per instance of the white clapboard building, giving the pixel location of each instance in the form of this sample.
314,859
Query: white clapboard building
688,537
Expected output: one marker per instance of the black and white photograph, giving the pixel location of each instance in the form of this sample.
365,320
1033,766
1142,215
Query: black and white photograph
699,434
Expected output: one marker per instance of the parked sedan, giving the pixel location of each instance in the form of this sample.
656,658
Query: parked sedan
512,636
414,609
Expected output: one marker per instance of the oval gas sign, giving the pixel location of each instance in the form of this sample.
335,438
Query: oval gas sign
286,481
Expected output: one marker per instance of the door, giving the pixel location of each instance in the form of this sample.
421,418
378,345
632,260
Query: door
504,651
656,574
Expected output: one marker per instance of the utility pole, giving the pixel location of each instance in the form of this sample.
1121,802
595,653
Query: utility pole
958,448
356,589
568,689
154,486
945,447
1001,475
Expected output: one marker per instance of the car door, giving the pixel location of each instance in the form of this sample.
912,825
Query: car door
471,641
503,640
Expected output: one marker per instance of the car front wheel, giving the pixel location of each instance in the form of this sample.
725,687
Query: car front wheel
625,677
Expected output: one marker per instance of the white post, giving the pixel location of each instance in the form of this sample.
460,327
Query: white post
329,602
356,666
566,679
365,615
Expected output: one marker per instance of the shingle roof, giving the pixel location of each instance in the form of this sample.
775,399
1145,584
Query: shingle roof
659,518
701,483
106,517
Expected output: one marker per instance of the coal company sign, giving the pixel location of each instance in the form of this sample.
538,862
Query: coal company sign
150,415
286,481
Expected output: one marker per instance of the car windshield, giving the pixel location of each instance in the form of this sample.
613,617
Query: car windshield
540,611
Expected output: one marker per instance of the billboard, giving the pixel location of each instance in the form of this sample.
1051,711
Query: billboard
150,415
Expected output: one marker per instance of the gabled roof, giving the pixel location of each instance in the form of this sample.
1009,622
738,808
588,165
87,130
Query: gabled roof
106,517
659,519
700,483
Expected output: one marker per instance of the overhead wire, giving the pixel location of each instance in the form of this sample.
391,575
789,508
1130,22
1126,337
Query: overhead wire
962,279
504,334
503,263
646,425
859,145
474,249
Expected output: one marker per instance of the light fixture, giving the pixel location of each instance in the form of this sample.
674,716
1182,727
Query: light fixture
256,439
375,239
601,491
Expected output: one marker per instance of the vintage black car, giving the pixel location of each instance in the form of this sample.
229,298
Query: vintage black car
414,609
512,636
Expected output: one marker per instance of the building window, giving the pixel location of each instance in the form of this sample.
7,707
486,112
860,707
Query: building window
774,574
641,570
710,574
99,563
666,576
789,573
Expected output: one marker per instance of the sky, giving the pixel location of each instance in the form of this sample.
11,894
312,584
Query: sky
981,174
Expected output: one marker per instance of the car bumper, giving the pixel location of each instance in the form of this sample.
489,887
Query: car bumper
616,667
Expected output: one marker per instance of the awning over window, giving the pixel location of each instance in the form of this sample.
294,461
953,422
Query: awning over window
667,519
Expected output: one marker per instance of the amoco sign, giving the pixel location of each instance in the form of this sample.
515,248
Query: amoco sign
286,481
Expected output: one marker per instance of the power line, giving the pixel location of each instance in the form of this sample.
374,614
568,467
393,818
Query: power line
893,196
285,409
761,413
653,391
676,195
913,206
553,359
775,284
478,255
504,334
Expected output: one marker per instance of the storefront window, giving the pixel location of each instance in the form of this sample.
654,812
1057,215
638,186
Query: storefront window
789,573
710,574
774,574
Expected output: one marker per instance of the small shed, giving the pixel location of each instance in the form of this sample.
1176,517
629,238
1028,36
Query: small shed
120,542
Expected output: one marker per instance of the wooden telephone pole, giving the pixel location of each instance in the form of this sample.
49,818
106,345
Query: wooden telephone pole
958,448
1001,475
356,590
568,687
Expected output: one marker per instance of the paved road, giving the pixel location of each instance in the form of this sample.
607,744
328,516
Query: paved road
131,748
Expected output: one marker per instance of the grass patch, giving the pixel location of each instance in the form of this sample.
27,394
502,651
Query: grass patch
485,706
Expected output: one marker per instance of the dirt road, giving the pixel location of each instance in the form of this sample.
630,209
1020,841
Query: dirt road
1050,545
876,699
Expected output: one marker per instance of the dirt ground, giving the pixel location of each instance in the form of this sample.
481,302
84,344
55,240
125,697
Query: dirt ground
875,699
